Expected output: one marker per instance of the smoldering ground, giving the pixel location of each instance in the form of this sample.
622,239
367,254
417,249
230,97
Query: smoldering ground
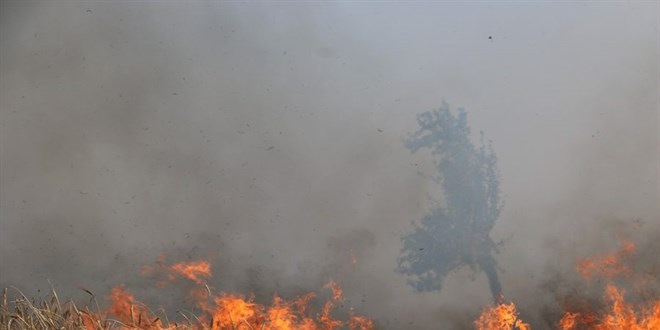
269,139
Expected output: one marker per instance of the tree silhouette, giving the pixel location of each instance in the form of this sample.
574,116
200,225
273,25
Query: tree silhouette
456,234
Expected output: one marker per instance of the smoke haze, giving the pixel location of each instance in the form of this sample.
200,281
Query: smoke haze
269,139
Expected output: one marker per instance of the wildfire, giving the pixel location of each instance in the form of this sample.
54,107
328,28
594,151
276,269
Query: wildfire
609,265
197,272
129,312
619,315
501,317
616,314
226,310
631,308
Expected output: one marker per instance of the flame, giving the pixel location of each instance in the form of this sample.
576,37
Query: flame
337,292
607,266
234,311
617,313
226,310
130,313
281,315
197,272
358,322
500,317
569,320
326,317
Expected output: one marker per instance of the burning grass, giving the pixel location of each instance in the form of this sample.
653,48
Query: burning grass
615,312
217,312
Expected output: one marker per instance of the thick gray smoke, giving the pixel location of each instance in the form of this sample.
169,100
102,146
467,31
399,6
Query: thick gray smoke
269,139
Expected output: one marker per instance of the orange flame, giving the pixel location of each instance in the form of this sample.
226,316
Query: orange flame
130,313
569,321
227,311
618,314
607,266
194,271
234,311
500,317
359,322
337,292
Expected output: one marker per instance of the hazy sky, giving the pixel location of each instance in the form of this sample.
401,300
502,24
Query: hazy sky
268,138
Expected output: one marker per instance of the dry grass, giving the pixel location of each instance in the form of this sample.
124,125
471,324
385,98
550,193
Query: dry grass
51,314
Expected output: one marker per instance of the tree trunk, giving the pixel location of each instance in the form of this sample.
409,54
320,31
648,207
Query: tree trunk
487,264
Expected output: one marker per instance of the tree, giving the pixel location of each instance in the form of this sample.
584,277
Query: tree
458,233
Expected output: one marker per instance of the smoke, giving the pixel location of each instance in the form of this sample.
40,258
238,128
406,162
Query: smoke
268,138
458,233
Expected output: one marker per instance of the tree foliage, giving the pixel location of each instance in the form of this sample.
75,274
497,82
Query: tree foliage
458,233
